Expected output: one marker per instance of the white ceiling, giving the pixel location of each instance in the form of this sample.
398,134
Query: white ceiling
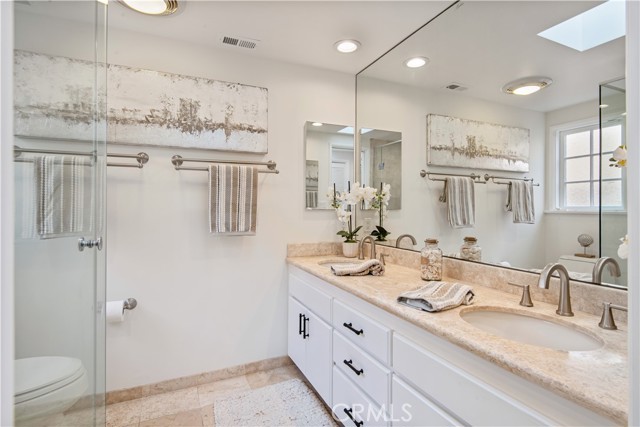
301,32
484,45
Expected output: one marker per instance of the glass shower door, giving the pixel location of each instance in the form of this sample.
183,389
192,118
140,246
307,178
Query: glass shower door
60,153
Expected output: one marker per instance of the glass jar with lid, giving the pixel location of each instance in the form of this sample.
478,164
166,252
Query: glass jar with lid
470,249
431,261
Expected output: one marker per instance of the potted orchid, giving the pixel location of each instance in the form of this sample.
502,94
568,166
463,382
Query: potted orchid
619,157
380,202
343,203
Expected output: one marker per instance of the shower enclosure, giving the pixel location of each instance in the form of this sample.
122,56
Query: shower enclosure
60,156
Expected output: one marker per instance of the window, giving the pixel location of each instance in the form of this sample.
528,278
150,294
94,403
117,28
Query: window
579,168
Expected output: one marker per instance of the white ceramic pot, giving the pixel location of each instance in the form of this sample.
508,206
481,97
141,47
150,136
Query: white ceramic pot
350,250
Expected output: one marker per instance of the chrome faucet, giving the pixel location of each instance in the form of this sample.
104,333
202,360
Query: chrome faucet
372,253
614,268
564,301
402,236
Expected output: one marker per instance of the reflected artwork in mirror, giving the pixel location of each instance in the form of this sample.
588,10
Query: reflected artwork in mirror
573,127
328,160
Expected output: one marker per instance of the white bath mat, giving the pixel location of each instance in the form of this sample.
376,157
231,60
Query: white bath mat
289,403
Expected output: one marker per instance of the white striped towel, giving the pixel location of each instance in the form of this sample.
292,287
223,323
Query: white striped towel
372,266
437,296
520,202
60,204
459,194
233,197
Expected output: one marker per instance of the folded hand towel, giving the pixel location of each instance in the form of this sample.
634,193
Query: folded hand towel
459,194
520,202
233,196
372,266
437,296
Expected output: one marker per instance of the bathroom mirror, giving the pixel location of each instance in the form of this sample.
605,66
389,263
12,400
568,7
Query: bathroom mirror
473,50
328,160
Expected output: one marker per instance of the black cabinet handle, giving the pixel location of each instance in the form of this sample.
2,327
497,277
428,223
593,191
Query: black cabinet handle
304,330
348,412
349,364
349,326
300,317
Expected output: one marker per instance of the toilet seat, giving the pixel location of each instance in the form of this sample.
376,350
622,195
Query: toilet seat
36,376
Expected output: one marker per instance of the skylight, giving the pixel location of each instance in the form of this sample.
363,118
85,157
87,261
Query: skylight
592,28
349,130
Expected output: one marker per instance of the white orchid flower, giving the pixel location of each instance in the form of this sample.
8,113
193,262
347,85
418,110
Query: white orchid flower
623,249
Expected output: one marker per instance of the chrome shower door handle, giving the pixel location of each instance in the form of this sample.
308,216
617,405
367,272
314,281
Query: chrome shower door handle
83,243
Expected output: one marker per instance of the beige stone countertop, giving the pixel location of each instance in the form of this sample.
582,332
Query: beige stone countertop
596,379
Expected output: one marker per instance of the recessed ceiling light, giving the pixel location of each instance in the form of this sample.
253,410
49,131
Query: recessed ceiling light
152,7
604,105
526,86
316,124
347,46
416,62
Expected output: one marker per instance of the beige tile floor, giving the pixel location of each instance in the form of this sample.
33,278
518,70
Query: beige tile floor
189,407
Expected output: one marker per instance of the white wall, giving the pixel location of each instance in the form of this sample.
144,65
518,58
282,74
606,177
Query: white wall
206,302
384,105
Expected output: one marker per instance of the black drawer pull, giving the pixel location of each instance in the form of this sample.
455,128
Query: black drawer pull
349,326
305,334
349,364
300,317
348,412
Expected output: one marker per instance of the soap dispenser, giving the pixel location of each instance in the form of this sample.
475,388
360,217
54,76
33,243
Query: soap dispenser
431,261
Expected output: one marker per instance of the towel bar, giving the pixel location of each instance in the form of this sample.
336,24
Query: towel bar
141,158
493,178
473,176
178,160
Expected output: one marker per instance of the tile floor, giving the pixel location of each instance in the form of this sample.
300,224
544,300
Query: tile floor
189,407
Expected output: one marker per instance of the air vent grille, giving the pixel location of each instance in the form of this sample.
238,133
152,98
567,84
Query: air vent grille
239,42
455,86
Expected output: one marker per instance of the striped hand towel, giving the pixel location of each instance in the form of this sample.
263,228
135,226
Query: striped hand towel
63,197
461,201
233,196
438,296
520,202
372,266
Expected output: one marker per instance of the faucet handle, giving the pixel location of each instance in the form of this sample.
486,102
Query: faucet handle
607,322
525,301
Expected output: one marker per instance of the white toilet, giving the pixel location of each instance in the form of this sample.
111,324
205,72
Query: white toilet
47,385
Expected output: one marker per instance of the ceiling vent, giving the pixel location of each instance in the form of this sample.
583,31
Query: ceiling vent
240,42
456,86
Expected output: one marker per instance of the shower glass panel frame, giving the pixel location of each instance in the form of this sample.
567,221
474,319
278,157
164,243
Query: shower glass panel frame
60,291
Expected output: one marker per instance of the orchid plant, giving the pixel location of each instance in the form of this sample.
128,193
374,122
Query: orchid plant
343,203
380,202
623,249
619,157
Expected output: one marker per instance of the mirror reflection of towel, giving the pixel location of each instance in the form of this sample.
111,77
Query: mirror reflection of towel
459,194
520,202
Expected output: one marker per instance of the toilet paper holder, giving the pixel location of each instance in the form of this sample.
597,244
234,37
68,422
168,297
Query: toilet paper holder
130,303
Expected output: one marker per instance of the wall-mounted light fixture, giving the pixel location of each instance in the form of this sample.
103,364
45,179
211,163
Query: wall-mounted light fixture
527,85
152,7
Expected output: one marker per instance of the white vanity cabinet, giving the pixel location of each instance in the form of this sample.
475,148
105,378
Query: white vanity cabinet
309,336
374,368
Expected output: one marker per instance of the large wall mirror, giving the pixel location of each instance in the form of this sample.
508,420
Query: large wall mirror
457,117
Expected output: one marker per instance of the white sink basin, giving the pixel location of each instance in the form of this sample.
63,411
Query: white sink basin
340,263
531,330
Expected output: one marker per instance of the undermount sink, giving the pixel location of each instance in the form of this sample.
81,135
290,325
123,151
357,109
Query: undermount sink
340,263
531,330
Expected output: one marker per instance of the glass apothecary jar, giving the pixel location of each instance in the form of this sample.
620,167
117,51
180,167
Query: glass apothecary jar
470,249
431,261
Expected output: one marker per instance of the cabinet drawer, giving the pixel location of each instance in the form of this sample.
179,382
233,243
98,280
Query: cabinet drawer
348,398
473,402
361,330
312,298
370,375
410,408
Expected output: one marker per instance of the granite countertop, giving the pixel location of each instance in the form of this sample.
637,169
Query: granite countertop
596,379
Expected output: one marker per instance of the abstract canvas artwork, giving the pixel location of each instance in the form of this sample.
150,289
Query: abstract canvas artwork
457,142
54,99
